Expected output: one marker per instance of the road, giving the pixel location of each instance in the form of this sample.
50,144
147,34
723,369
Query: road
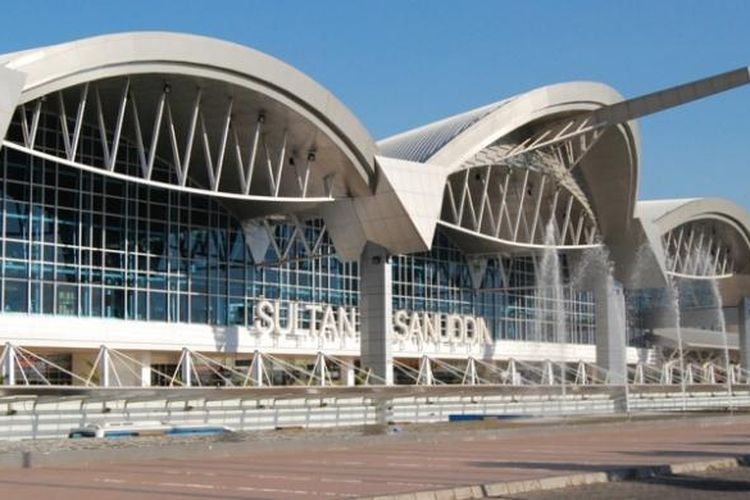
451,455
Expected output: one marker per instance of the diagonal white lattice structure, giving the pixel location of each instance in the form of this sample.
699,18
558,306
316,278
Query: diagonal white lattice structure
191,114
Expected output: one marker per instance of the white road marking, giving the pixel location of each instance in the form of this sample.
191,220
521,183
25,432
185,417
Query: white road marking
189,485
294,492
176,472
327,462
334,480
236,488
405,483
278,476
109,480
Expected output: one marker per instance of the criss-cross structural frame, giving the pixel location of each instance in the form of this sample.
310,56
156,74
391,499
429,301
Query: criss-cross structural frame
518,182
702,238
260,166
695,250
191,114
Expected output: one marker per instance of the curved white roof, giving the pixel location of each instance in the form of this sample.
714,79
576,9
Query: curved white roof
659,217
456,138
669,214
607,179
52,68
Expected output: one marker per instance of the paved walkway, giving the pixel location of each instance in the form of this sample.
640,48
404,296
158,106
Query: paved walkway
404,462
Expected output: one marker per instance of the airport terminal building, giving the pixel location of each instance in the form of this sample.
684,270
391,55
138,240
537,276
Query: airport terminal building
182,210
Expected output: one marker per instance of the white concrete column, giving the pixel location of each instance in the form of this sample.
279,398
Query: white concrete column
610,328
9,365
322,371
186,368
256,368
145,369
376,311
743,317
513,375
350,375
104,367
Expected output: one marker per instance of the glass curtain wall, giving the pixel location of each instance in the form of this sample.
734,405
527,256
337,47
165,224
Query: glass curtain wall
507,298
75,243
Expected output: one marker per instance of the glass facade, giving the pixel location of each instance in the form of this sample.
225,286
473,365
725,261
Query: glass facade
698,305
82,244
507,297
76,243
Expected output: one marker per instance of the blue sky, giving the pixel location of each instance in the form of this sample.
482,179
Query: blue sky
399,64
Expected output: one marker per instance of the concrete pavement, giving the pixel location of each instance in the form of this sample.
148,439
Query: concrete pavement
449,457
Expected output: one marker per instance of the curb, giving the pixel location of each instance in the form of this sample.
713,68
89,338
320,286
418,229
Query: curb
509,488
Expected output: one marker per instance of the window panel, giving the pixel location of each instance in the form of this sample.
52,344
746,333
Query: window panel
15,296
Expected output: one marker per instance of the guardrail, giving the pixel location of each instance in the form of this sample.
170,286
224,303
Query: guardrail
28,412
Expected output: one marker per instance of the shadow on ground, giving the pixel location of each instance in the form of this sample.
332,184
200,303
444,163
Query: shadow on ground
702,483
681,453
557,466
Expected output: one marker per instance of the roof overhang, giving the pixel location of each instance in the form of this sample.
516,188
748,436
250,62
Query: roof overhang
645,260
48,70
608,174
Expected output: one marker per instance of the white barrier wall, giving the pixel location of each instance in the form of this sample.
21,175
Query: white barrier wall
31,420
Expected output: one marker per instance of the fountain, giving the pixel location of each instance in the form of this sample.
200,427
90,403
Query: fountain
639,279
673,292
707,263
594,272
551,317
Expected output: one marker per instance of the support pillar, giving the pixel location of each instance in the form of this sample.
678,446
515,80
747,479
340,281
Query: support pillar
8,365
350,376
581,375
610,328
187,368
425,372
257,369
145,368
513,375
376,311
104,367
690,374
667,373
322,371
548,373
743,315
470,375
639,377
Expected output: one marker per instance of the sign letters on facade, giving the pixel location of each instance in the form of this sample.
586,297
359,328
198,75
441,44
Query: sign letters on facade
338,323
